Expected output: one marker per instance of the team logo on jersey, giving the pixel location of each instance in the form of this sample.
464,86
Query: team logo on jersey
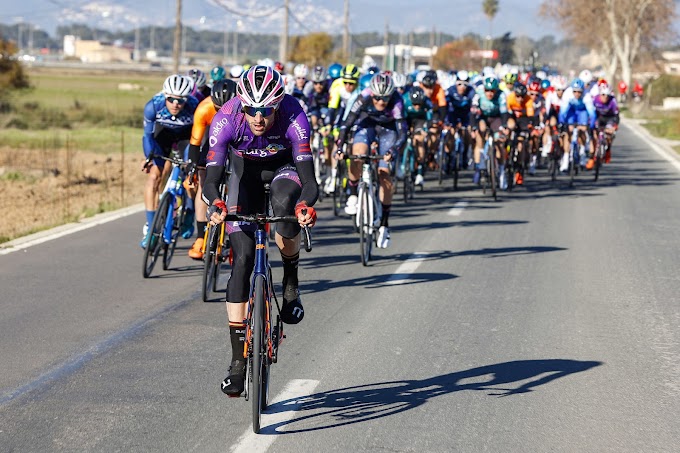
301,132
274,148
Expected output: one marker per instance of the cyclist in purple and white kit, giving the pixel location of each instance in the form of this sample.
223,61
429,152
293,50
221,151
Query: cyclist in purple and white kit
262,130
378,113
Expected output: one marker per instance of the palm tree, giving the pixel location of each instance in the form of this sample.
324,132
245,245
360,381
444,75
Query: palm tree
490,8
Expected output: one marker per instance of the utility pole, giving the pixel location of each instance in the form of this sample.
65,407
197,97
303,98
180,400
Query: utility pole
345,33
283,44
178,36
386,44
135,54
432,33
225,42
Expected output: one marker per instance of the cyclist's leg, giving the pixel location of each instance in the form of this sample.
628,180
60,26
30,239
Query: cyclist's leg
386,140
478,139
421,159
285,192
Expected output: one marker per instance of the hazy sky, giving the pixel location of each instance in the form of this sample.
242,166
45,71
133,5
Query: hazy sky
451,16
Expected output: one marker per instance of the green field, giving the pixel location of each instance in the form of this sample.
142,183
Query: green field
87,108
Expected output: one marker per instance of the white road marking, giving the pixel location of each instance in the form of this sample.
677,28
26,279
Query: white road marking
294,394
55,233
407,268
458,208
649,139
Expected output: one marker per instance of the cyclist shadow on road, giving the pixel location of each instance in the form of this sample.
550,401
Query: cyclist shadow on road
358,404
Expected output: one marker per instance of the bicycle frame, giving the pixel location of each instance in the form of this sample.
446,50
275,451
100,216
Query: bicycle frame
175,187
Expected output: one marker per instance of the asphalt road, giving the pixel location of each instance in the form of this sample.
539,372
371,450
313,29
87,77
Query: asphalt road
546,321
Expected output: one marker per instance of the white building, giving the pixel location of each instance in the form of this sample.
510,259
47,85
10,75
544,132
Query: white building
401,57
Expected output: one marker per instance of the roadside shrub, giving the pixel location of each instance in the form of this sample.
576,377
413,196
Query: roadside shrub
17,123
665,86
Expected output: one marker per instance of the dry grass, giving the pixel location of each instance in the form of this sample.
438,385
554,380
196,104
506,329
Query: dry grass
68,144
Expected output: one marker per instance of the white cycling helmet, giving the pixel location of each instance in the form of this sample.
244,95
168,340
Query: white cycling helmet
381,84
300,71
319,74
604,89
463,76
586,76
236,71
399,80
260,86
198,77
559,82
178,85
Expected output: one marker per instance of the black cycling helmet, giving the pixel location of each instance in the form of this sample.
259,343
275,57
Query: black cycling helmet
520,89
429,78
417,96
222,91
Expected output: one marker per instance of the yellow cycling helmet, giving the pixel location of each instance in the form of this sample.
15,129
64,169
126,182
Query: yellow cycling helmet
350,73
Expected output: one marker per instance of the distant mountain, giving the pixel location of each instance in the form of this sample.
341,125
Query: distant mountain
266,16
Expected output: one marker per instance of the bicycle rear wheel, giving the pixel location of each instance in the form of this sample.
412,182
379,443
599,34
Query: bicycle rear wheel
154,242
260,365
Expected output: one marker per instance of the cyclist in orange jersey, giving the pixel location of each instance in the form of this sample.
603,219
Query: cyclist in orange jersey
521,115
222,91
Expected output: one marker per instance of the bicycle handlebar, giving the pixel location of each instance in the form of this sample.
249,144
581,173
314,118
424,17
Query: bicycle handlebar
262,219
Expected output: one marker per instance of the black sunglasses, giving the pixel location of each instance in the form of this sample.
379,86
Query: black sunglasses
382,98
172,100
252,111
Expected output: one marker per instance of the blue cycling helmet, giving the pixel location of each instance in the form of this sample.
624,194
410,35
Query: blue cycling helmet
545,84
365,81
373,70
334,70
578,85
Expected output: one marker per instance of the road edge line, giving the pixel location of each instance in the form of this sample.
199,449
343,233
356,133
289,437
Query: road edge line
69,228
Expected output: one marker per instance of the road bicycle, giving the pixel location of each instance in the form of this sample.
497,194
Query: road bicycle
340,187
601,150
167,222
513,161
408,164
263,335
574,155
320,165
369,208
489,165
216,250
556,152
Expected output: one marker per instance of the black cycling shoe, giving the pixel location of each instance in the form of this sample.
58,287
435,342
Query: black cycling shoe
234,384
292,311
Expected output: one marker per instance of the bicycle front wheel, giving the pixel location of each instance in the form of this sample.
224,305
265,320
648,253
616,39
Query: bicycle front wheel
210,262
260,366
492,165
177,222
365,221
154,242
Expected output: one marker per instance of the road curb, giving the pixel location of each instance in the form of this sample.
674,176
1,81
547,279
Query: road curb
25,242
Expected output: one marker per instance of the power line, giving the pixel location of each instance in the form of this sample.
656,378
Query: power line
222,4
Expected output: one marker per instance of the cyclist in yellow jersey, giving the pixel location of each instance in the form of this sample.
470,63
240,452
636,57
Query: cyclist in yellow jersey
341,90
